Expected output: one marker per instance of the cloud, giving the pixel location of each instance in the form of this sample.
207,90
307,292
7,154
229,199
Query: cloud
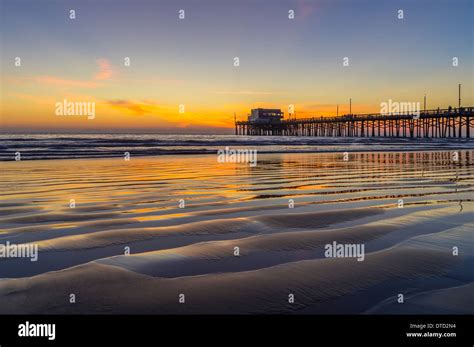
60,82
168,113
105,72
138,108
105,69
305,8
153,81
241,92
32,99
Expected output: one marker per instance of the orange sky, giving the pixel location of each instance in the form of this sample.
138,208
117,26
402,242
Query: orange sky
29,102
191,62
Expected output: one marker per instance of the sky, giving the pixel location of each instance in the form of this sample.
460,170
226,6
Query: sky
190,61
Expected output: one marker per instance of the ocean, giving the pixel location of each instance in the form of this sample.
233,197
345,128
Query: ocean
69,146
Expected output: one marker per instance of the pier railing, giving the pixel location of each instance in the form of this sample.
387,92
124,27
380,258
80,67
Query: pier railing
450,122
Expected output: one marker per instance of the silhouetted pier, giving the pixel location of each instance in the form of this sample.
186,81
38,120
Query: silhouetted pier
441,123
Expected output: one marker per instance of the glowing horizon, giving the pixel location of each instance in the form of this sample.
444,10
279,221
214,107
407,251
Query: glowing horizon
189,62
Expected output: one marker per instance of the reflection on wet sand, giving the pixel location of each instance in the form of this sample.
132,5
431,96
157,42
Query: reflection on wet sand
409,209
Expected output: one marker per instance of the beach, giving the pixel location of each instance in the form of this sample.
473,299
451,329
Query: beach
186,234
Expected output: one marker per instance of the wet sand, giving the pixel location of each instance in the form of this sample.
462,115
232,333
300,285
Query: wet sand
121,205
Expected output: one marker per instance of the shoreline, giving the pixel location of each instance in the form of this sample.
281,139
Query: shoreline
66,146
208,153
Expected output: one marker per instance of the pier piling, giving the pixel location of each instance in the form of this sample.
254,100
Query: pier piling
439,123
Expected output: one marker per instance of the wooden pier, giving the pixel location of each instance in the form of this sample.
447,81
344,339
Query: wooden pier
440,123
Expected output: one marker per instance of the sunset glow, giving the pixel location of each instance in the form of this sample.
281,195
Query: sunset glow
281,62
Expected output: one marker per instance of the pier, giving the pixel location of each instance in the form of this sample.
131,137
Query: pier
439,123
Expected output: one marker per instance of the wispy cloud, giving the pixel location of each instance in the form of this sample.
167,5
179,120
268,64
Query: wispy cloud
305,8
32,99
241,92
105,69
105,72
150,81
135,107
60,82
168,113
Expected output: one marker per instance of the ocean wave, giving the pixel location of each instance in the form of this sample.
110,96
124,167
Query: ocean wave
67,146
